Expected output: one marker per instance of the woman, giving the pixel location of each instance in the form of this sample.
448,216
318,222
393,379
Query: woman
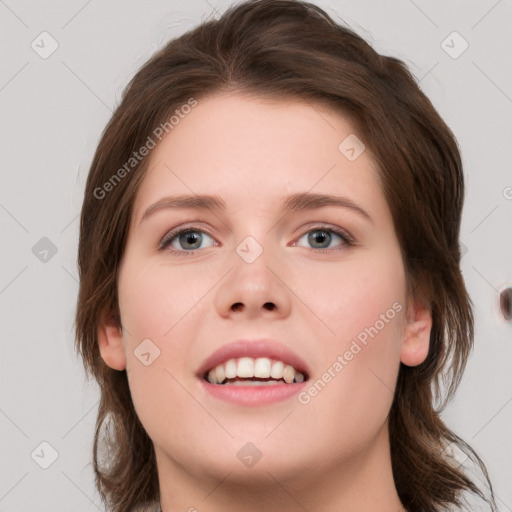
291,357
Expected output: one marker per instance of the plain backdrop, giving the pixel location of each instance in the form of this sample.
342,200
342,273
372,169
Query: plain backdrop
62,70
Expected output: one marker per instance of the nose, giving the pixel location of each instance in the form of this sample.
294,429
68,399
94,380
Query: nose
255,287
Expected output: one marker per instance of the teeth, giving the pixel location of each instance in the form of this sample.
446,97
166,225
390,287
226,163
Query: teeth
288,373
230,371
276,371
254,382
259,368
220,373
245,367
262,368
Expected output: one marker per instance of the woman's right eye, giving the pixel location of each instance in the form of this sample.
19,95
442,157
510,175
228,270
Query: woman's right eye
183,241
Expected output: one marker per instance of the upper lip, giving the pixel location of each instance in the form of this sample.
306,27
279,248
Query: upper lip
253,348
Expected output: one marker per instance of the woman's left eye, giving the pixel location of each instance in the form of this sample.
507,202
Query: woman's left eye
324,235
181,241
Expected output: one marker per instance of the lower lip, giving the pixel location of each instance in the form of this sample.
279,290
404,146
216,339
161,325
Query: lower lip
253,395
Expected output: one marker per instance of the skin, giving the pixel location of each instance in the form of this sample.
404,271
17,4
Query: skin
334,451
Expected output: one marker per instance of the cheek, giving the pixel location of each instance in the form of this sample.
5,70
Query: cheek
365,351
159,307
354,387
147,305
363,306
153,299
356,293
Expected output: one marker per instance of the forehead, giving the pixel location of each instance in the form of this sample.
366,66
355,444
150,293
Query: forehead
254,150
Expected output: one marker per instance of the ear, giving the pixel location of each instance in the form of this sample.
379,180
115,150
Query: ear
416,334
110,340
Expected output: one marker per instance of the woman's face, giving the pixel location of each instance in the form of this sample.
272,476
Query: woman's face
330,306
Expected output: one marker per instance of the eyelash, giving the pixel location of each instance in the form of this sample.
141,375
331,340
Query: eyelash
171,235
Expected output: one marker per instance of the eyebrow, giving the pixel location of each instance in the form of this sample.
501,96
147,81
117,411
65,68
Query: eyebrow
296,202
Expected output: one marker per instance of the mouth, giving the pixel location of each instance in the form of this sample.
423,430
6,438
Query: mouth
249,371
253,372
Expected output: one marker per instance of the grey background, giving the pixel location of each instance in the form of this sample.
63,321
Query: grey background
53,111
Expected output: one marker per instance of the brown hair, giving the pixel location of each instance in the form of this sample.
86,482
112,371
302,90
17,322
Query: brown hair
292,49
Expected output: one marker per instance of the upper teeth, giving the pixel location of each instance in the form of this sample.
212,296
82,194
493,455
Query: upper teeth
261,367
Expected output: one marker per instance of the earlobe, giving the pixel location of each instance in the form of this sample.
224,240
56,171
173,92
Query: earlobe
416,334
110,340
